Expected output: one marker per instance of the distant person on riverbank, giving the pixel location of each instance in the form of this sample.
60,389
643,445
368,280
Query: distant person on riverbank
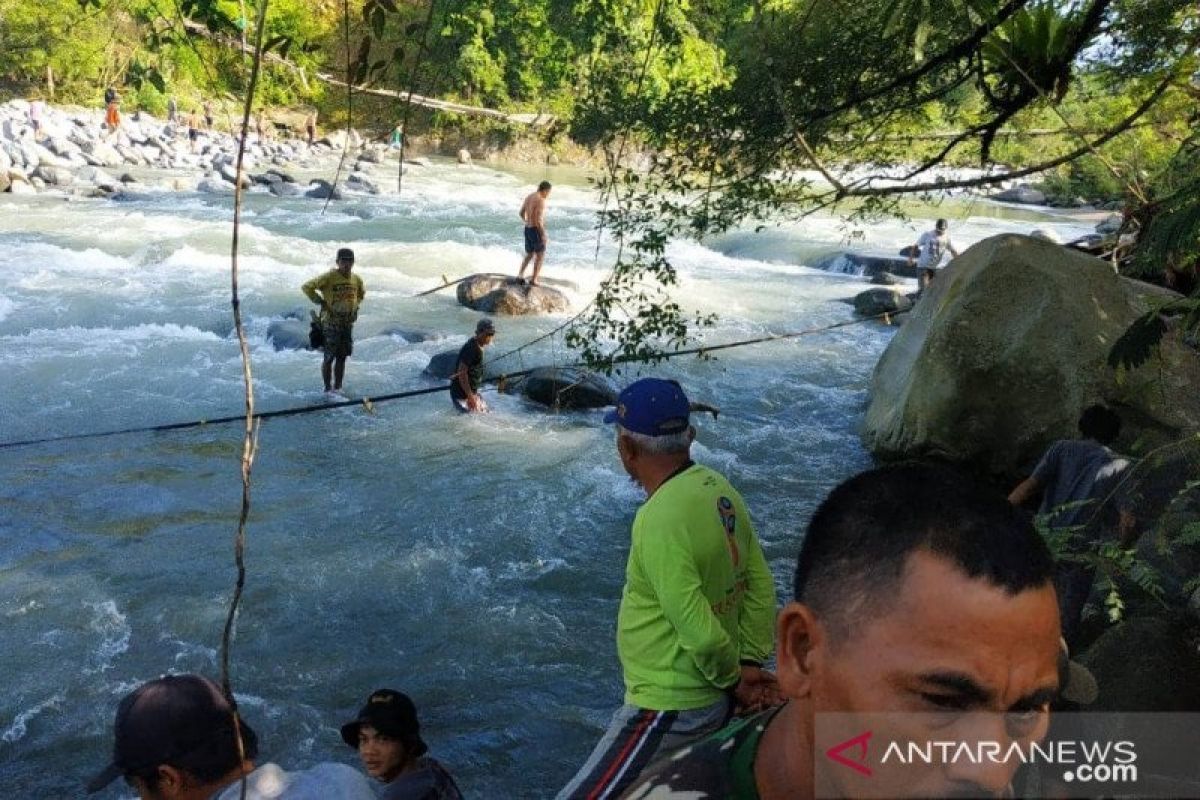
533,212
468,372
310,127
339,295
697,614
917,589
929,250
112,116
387,736
37,111
1079,484
396,142
208,115
172,110
193,126
175,738
110,96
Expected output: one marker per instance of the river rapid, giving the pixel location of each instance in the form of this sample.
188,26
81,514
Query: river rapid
473,562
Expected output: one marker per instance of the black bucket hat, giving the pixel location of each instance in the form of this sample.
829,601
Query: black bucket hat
394,715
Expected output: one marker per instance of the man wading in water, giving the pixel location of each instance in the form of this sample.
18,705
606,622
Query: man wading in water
932,246
533,212
339,294
468,373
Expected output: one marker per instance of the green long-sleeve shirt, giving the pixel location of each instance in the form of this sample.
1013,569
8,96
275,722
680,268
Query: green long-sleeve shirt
698,595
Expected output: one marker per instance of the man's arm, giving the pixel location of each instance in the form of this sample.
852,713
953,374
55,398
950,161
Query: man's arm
951,248
311,288
362,289
756,617
669,565
1025,491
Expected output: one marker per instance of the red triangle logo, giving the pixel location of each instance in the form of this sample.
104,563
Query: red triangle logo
855,761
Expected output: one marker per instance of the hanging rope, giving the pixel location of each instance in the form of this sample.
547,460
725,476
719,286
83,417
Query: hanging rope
370,402
250,437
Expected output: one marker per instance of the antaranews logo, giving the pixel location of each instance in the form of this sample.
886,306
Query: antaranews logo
858,759
949,755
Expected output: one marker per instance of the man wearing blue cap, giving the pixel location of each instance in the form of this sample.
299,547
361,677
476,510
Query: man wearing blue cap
697,613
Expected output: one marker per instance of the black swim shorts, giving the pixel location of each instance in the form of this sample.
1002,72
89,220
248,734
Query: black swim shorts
533,241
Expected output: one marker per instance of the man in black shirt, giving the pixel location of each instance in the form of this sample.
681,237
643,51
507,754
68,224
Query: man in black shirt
464,384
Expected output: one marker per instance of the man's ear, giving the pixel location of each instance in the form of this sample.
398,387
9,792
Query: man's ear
171,781
800,637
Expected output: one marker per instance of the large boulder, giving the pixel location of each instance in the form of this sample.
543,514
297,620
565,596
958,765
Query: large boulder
865,264
282,189
1005,349
565,387
874,302
501,294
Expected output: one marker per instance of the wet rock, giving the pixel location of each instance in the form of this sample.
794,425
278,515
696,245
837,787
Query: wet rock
887,279
850,263
408,334
360,182
1046,236
1024,193
1110,224
321,189
501,294
288,334
566,388
214,186
21,187
281,189
874,302
283,176
464,156
229,173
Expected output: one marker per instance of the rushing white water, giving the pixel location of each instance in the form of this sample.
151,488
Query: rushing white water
474,562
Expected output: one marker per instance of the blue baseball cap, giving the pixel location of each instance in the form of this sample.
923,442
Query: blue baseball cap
652,407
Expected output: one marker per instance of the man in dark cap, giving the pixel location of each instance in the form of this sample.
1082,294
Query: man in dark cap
468,374
339,294
387,735
175,740
697,614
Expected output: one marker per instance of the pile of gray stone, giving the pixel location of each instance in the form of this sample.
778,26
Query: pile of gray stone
75,154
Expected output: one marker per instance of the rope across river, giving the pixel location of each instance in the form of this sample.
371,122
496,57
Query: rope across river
369,403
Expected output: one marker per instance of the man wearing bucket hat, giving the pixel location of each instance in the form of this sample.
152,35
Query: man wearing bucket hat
339,295
175,740
697,614
387,735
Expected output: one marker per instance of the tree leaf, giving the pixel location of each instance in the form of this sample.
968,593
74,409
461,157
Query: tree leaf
1137,344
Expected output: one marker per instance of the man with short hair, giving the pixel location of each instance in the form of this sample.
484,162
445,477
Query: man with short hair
1079,481
918,591
174,740
339,294
387,736
697,612
533,212
468,372
932,246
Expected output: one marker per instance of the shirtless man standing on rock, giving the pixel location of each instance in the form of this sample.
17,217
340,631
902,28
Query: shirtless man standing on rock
533,212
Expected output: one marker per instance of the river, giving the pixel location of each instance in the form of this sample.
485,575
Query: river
473,562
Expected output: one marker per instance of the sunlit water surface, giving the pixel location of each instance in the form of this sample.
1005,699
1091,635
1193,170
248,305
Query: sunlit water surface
474,562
